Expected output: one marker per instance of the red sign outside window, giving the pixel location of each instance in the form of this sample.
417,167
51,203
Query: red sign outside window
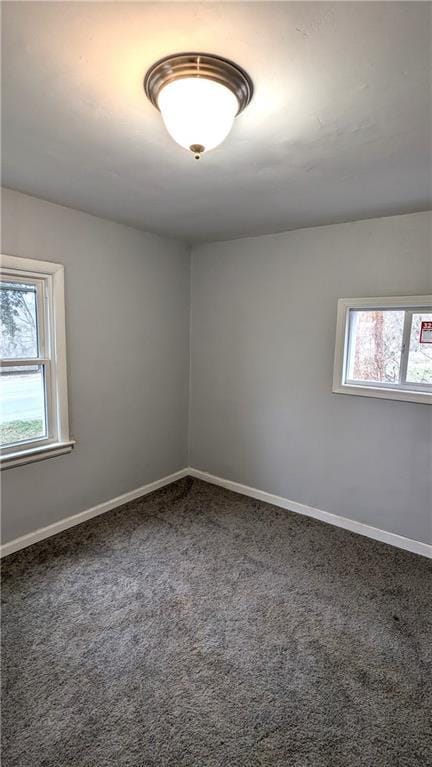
426,332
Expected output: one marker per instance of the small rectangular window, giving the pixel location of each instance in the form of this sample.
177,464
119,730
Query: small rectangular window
33,391
381,348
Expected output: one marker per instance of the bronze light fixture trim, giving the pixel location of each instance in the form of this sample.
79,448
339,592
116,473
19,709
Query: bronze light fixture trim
205,65
198,115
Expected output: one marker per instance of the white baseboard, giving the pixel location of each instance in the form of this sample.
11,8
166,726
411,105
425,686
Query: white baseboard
83,516
417,547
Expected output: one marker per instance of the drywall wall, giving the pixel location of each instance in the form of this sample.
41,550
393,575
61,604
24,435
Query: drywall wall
262,411
127,325
262,333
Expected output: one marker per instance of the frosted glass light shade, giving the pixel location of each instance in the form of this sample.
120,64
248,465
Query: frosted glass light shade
197,111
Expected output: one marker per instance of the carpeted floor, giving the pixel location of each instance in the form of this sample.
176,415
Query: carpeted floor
199,628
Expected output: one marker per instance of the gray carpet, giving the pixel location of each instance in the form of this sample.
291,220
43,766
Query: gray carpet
199,628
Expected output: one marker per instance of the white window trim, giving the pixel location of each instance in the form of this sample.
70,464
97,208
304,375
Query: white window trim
58,441
340,386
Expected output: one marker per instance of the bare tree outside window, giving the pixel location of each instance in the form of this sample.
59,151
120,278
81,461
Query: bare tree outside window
380,350
375,346
18,321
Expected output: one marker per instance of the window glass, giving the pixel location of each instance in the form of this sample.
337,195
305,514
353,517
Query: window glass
419,370
18,319
22,409
375,345
33,388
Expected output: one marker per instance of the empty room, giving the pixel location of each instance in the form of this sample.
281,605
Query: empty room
216,379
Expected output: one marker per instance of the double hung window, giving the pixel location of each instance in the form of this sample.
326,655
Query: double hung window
33,387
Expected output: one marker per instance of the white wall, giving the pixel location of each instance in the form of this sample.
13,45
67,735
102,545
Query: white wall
127,314
262,412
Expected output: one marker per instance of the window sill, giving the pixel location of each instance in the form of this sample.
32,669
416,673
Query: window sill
21,457
404,395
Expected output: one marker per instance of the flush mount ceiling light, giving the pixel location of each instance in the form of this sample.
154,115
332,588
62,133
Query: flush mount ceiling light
198,96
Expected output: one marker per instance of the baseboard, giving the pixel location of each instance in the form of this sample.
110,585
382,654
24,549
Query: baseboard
83,516
408,544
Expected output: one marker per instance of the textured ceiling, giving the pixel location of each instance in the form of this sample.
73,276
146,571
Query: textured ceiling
339,127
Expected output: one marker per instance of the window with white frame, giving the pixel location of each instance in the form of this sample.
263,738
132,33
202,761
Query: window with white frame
384,348
33,389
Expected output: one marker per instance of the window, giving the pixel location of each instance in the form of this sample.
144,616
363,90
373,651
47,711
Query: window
33,391
384,348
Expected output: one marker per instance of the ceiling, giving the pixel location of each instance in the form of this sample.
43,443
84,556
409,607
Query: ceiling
339,127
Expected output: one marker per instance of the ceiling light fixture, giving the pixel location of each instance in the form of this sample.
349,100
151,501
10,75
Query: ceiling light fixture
198,96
